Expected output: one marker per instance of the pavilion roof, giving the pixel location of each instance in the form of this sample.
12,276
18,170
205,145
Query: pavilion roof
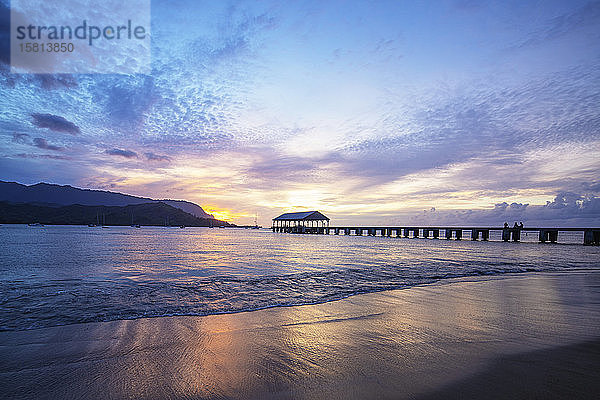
301,216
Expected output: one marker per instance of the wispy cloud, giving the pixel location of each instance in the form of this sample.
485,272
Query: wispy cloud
43,156
583,17
156,157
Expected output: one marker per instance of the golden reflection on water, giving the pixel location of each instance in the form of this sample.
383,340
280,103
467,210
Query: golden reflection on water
401,343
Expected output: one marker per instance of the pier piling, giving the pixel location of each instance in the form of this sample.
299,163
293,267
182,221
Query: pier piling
548,235
591,237
484,233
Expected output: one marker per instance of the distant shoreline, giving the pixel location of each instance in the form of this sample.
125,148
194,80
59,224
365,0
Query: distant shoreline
146,214
123,226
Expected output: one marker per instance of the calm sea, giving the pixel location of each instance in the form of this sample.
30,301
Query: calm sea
57,275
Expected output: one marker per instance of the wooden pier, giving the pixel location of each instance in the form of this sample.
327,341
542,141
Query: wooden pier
591,236
313,222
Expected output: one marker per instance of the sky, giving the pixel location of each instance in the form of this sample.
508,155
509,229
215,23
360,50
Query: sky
372,112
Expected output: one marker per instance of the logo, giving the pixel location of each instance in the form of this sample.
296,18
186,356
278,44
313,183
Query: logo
80,36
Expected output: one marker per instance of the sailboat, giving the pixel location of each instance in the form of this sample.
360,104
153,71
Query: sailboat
97,221
255,222
104,220
132,224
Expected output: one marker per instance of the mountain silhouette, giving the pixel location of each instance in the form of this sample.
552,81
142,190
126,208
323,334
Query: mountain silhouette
51,195
146,214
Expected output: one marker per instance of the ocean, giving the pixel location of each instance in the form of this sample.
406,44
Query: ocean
58,275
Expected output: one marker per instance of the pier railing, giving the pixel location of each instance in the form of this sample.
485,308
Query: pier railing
591,236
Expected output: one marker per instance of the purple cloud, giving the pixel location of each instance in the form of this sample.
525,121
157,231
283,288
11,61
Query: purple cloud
156,157
43,144
20,137
122,153
42,156
57,81
55,123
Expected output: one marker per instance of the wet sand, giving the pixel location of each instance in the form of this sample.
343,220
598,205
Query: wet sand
526,336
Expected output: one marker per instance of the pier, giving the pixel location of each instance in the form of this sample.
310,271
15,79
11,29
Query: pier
314,222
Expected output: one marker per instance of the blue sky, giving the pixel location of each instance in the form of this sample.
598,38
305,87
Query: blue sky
368,110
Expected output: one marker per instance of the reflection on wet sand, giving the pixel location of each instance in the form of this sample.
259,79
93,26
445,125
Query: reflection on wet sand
400,344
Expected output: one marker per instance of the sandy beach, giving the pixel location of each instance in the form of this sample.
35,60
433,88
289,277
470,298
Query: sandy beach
521,336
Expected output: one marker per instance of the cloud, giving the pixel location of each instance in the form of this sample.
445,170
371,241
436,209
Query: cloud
55,123
587,15
20,138
125,100
511,208
567,209
43,144
38,142
235,36
444,127
156,157
42,156
591,186
122,153
57,81
280,168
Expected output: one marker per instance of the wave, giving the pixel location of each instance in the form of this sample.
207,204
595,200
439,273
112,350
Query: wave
29,305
